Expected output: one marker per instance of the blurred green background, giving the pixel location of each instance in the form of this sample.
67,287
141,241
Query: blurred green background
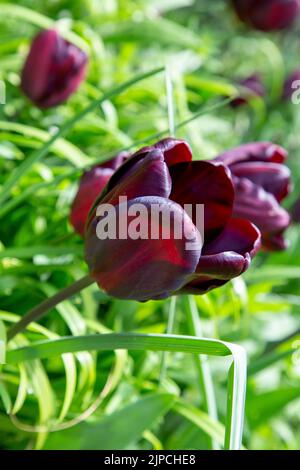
208,50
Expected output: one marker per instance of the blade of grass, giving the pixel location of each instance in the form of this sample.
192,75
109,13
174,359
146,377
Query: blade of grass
175,343
2,343
41,309
187,344
62,147
37,155
237,380
42,21
170,328
201,363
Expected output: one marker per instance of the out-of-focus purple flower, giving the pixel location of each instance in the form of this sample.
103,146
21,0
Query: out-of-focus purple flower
261,182
291,84
91,185
267,15
296,212
250,87
53,69
154,268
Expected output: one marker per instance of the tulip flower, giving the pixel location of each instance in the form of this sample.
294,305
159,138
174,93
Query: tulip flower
291,84
53,69
261,182
90,186
267,15
251,86
144,268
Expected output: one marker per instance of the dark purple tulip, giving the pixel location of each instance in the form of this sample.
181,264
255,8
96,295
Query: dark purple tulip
251,86
144,269
53,69
290,86
267,15
91,185
261,182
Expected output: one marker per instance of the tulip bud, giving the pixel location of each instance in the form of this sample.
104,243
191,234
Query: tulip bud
251,86
53,69
91,185
267,15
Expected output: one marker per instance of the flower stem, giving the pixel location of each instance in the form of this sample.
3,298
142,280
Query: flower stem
40,310
201,362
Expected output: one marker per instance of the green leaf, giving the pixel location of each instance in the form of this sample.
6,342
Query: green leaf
5,397
37,155
43,349
119,430
212,428
273,273
31,251
262,407
62,147
2,343
42,21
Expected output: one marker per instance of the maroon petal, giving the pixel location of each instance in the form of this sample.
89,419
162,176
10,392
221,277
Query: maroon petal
117,161
36,68
67,70
174,151
267,15
53,69
144,269
274,242
254,151
226,257
258,206
273,177
91,185
239,236
208,184
148,177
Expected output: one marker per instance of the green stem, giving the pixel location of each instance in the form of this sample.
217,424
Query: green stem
201,363
40,310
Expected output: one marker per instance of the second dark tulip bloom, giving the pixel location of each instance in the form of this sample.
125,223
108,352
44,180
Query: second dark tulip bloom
53,69
267,15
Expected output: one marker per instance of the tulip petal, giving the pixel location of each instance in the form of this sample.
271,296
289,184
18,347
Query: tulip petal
208,184
226,257
149,176
67,71
143,269
273,177
253,151
255,204
53,69
174,151
268,15
36,68
91,185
